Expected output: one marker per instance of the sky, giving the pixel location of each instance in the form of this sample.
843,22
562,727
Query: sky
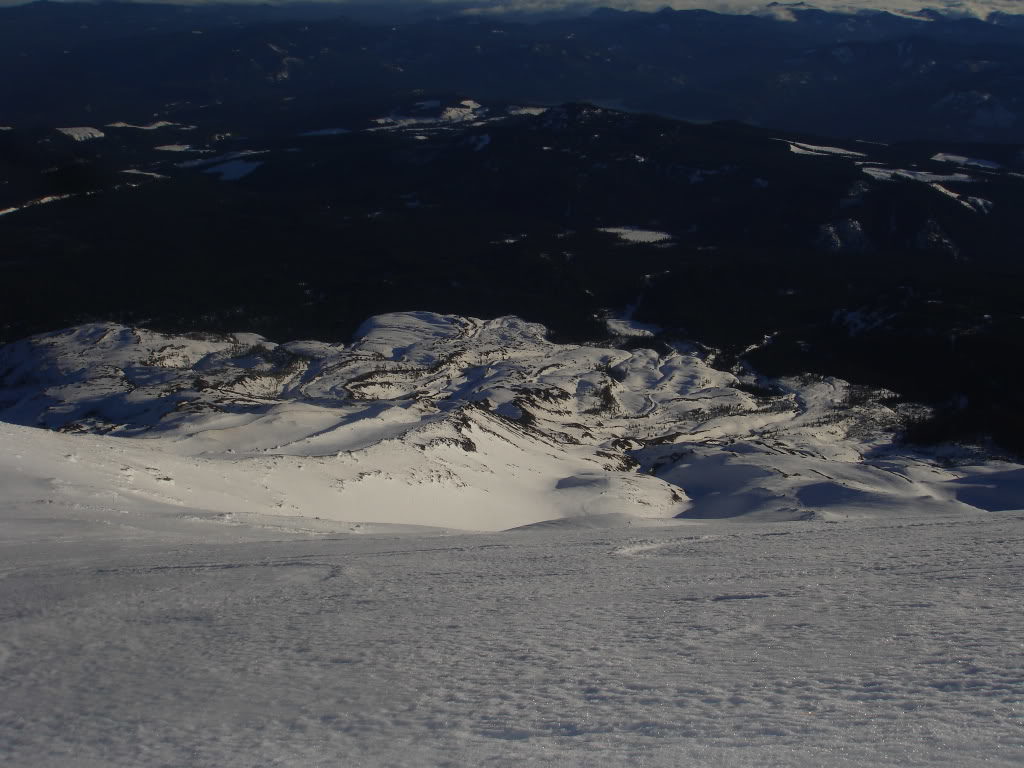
979,8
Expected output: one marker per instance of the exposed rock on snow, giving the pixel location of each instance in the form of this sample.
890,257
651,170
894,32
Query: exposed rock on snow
861,645
431,114
845,236
628,328
454,422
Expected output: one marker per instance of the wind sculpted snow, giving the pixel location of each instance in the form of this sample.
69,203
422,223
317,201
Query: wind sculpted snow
455,423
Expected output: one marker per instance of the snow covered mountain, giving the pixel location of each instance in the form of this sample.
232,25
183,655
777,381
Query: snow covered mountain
901,75
444,421
562,536
980,9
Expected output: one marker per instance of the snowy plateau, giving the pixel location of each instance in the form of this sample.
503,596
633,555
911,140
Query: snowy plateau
455,542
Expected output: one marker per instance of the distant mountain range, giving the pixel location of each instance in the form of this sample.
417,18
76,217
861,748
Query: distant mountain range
890,265
285,171
406,9
877,76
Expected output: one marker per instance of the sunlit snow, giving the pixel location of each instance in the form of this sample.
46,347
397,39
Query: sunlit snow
812,149
943,157
890,174
466,111
637,234
409,425
533,111
82,133
32,203
150,174
631,328
951,194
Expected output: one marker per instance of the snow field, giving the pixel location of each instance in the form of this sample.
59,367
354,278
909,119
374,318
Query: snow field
241,553
714,644
812,149
82,133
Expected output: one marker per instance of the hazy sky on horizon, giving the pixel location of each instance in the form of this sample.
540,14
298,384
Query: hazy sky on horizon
980,8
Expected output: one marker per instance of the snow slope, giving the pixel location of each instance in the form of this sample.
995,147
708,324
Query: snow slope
452,422
868,643
180,583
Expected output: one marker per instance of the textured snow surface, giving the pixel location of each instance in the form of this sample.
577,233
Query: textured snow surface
241,554
32,203
865,643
